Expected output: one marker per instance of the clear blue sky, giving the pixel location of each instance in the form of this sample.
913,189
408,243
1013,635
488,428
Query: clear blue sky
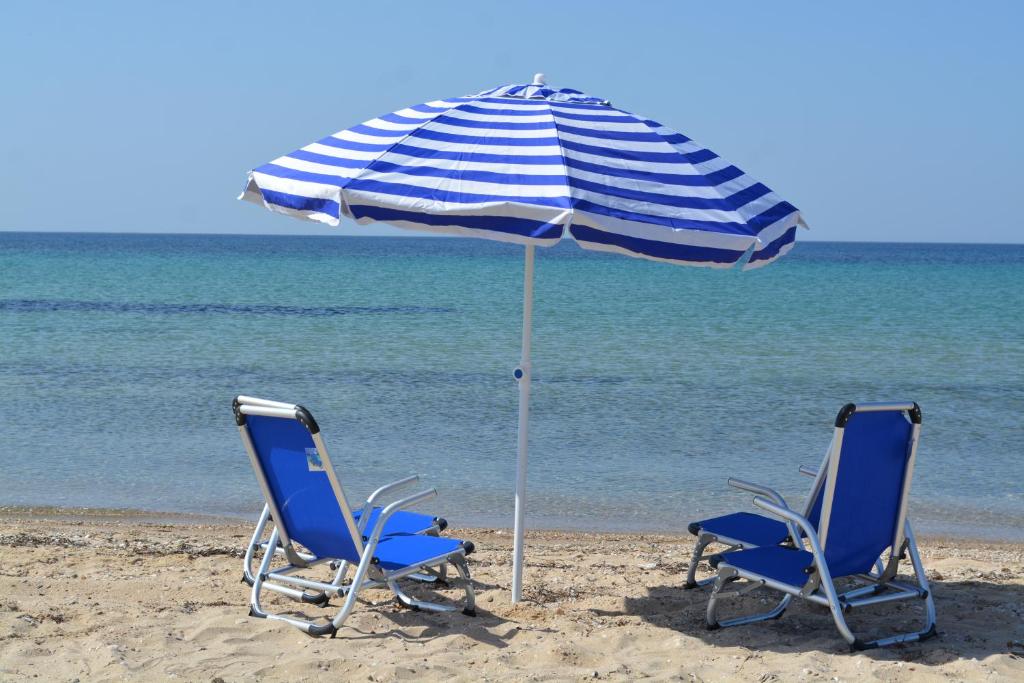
881,121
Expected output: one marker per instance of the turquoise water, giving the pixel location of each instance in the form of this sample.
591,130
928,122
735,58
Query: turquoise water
653,383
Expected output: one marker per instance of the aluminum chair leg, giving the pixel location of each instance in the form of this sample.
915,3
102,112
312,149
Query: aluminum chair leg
312,628
254,544
929,603
703,541
836,609
350,600
255,608
414,604
249,574
462,566
727,576
838,604
698,554
469,603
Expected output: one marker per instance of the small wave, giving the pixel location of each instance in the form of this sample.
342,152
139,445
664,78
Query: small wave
54,305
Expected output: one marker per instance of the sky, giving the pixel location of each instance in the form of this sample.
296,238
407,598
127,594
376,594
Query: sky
880,121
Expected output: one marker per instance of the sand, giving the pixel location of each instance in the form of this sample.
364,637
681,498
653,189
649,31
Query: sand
121,597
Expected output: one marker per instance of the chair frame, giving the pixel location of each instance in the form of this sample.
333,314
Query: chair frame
820,588
368,573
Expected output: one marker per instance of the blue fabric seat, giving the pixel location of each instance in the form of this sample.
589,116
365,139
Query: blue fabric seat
752,529
747,527
402,522
401,551
785,565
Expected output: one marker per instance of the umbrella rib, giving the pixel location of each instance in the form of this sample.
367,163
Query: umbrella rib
565,171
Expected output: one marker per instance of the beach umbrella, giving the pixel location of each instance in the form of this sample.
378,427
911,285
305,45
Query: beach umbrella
531,164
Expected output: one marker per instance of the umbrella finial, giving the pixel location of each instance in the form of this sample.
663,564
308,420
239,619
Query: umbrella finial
538,79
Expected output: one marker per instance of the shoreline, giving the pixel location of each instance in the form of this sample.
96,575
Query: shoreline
333,233
159,517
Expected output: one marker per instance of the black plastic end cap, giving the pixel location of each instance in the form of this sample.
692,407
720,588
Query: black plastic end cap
441,523
468,547
236,408
306,418
915,414
469,612
323,630
246,579
715,560
859,645
694,528
690,585
400,604
712,627
320,599
845,413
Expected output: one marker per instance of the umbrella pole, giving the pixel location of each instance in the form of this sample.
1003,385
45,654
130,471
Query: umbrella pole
522,375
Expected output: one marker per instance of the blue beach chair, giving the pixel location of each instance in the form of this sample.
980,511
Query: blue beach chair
402,522
863,515
314,525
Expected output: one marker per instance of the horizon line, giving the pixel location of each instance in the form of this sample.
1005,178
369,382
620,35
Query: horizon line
404,234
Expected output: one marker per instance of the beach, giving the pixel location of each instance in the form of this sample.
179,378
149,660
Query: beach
129,596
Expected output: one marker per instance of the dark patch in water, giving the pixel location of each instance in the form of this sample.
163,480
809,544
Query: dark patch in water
51,305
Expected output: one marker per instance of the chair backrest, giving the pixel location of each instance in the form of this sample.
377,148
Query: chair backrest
868,484
299,484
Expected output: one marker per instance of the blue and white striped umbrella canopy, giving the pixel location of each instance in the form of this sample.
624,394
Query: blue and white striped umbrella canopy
527,164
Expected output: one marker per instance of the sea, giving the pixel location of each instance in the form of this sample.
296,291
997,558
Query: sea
653,383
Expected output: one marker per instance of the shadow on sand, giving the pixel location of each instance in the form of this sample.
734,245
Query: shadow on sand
411,625
975,619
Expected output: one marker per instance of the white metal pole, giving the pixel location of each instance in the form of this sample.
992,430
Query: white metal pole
522,375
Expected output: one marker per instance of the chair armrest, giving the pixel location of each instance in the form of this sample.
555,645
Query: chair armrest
809,471
812,537
786,514
391,509
757,489
797,522
368,505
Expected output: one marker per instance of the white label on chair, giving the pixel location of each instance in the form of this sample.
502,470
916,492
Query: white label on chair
313,460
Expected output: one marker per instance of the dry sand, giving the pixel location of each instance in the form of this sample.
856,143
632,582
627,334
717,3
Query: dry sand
97,597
